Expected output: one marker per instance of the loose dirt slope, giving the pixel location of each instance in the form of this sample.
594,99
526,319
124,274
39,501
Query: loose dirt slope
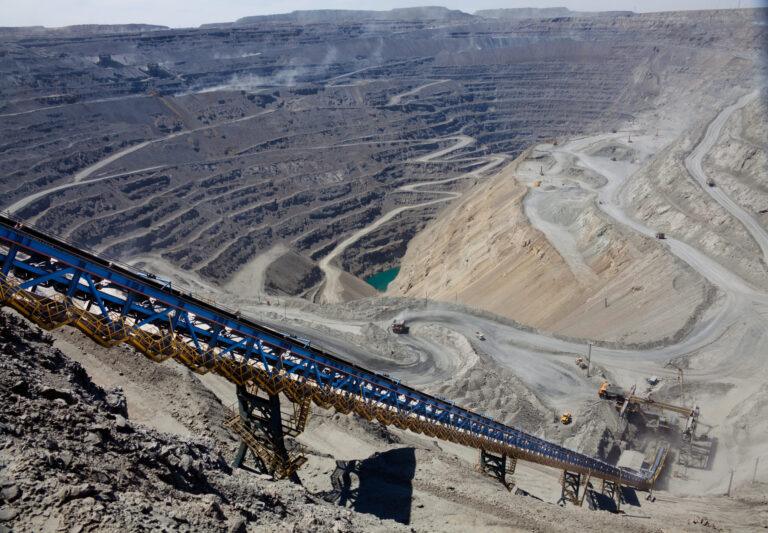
486,253
564,239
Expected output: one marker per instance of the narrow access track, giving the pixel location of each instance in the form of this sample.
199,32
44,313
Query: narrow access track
332,289
396,99
693,163
80,177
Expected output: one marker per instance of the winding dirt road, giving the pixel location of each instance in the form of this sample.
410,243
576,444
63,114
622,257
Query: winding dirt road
694,167
80,177
332,290
396,99
544,362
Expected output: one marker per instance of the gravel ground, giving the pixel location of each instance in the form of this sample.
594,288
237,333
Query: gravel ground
71,460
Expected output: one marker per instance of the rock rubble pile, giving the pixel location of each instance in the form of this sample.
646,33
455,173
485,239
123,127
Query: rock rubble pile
72,460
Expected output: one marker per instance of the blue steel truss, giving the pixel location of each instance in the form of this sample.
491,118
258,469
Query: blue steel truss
132,299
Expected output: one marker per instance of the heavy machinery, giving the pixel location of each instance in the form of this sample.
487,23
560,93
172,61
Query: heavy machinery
399,327
566,418
610,392
630,401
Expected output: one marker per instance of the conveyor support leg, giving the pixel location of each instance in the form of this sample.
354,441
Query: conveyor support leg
571,483
498,466
260,427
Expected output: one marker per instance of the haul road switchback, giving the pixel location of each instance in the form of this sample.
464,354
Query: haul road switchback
55,283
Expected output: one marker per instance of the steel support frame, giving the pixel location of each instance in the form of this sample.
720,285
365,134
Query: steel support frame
570,484
262,417
497,466
612,489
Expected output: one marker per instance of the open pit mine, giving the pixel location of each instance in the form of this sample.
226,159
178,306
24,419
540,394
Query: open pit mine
407,270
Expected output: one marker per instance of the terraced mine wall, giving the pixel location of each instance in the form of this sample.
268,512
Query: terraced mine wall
207,147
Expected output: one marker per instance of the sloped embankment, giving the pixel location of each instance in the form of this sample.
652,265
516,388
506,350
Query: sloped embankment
71,460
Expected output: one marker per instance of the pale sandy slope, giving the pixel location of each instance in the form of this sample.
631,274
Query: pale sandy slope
563,238
486,253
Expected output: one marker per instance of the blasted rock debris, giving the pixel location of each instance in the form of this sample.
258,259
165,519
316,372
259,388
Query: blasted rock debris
71,460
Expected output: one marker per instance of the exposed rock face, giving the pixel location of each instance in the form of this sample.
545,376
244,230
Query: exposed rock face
524,12
738,161
78,30
546,12
72,460
206,148
337,16
291,274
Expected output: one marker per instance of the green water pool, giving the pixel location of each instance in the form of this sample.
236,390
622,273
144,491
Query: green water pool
381,280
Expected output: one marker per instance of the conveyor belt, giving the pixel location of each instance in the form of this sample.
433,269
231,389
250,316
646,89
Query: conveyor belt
55,282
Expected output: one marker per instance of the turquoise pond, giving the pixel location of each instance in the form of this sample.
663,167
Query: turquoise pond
381,280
